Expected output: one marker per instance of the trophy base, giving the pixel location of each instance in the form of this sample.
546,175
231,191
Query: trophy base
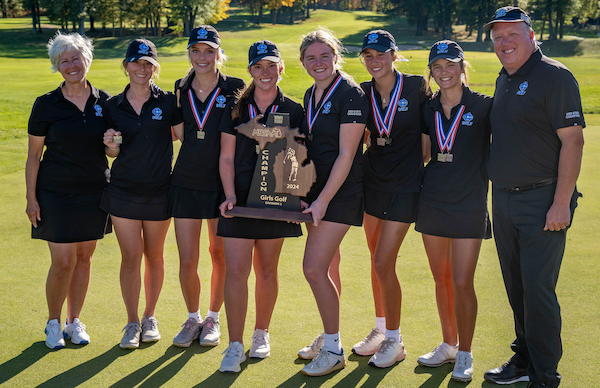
269,214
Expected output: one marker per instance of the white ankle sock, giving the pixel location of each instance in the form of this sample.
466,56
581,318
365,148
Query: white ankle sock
212,314
196,316
395,334
380,323
333,342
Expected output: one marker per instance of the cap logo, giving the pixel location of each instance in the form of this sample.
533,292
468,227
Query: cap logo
522,88
327,107
372,38
98,110
525,18
143,49
403,105
157,112
442,48
261,49
467,119
202,33
221,101
500,13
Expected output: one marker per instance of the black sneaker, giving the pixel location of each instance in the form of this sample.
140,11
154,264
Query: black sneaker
509,373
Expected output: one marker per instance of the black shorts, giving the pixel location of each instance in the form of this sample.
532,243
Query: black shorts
70,218
453,223
400,207
135,206
196,204
346,210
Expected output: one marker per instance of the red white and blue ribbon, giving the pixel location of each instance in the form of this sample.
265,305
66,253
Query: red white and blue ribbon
311,116
446,141
252,110
201,121
384,124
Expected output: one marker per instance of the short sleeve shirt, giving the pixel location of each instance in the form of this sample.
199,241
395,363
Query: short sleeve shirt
529,107
347,104
197,165
74,160
143,166
245,148
461,184
397,167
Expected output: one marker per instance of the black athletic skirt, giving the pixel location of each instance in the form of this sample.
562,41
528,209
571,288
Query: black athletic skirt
196,204
453,223
70,218
136,207
400,207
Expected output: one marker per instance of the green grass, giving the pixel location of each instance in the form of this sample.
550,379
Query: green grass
25,361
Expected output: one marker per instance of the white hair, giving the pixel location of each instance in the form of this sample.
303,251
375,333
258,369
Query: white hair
62,43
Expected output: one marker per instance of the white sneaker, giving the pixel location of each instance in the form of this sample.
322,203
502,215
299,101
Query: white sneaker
261,347
188,333
442,354
211,333
76,332
463,369
150,329
54,336
309,352
388,353
234,356
324,363
131,337
369,345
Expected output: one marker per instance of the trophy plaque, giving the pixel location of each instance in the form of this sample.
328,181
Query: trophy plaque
282,174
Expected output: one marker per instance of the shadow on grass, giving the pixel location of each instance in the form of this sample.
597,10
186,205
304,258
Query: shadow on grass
438,375
27,358
220,379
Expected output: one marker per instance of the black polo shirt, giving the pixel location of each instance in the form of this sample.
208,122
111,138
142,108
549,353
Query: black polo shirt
74,160
461,184
348,105
143,166
529,107
245,148
197,165
397,167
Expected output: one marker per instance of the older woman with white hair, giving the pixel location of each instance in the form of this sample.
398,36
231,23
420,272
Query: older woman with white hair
64,188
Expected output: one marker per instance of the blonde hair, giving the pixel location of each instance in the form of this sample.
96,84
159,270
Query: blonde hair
326,36
62,43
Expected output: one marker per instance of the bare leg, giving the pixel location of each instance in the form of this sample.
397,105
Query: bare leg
155,233
238,263
266,259
63,260
187,233
80,279
372,226
217,255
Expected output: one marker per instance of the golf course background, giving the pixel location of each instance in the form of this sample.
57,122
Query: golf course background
25,361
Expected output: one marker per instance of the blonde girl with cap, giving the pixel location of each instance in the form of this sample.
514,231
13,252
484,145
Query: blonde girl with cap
196,192
139,122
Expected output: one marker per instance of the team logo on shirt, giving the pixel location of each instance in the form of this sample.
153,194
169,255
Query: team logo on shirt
327,107
572,115
467,119
143,49
261,49
202,33
522,88
98,110
372,38
157,112
402,105
442,48
221,101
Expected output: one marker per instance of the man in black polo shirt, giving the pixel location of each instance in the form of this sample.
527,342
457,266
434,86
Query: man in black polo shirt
535,158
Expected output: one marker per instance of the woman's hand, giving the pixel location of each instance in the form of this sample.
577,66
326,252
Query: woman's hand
109,139
33,211
316,209
228,204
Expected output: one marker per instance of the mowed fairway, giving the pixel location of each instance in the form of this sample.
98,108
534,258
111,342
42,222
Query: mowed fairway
26,362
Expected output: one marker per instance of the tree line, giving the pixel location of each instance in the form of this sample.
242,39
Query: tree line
180,16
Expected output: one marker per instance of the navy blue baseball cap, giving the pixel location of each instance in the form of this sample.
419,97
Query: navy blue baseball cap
379,40
446,49
205,34
263,49
142,49
508,15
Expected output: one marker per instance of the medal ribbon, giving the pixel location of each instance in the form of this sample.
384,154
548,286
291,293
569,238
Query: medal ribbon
201,121
384,125
447,141
309,114
252,110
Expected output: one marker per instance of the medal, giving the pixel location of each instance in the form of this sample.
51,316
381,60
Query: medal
117,139
384,123
257,149
201,121
446,141
311,116
310,136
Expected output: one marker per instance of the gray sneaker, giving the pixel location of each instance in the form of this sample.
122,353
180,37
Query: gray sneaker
261,345
309,352
211,333
150,329
189,332
131,338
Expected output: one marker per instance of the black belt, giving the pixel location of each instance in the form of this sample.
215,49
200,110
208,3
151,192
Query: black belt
543,183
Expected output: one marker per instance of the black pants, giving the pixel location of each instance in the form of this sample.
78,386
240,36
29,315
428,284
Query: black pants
530,259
